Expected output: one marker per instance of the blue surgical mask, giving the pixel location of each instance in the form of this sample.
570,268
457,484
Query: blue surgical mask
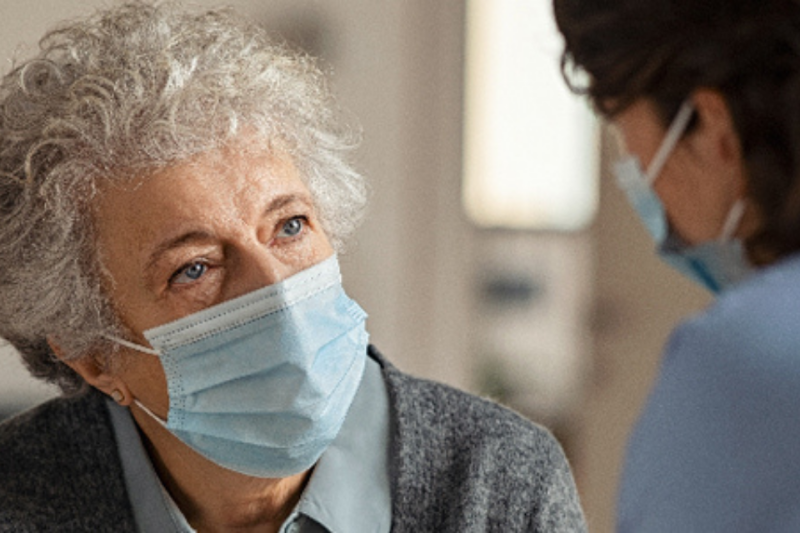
261,384
716,264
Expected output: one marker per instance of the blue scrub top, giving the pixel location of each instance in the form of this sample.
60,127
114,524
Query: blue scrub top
717,448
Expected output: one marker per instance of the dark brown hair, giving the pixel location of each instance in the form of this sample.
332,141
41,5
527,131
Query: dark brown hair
618,51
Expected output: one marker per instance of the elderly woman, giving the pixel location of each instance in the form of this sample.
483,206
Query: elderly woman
705,96
173,188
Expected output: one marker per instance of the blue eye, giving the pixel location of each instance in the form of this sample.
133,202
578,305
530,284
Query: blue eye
292,227
191,273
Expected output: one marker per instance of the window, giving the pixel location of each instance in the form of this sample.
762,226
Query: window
530,146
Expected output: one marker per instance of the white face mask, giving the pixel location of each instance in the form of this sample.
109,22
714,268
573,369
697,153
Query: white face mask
715,264
261,384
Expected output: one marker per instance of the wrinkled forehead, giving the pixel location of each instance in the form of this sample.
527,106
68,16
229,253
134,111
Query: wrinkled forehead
233,182
270,154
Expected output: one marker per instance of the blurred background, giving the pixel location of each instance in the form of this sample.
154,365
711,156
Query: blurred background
498,255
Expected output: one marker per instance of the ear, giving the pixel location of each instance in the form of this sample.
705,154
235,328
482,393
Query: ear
716,139
91,369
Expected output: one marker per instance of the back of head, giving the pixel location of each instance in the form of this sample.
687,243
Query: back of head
620,51
125,93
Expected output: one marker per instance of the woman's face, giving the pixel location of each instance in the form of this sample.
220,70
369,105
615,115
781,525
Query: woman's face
703,176
197,234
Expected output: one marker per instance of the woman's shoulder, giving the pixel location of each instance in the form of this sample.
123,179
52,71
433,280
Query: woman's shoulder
734,366
454,449
53,414
726,392
755,320
59,464
436,406
49,439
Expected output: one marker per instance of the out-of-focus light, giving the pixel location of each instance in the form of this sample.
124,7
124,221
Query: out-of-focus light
530,145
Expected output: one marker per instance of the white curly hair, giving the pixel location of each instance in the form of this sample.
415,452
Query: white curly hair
122,94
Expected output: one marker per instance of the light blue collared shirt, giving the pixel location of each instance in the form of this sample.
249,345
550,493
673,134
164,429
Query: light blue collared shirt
348,491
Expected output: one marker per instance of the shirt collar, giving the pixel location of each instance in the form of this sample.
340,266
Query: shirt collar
153,509
349,489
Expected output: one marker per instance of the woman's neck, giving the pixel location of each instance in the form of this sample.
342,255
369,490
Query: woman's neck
215,499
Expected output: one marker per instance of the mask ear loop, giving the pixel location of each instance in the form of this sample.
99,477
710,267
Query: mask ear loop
140,348
150,413
671,139
133,345
732,221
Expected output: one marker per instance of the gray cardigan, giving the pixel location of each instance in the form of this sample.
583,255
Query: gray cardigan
458,464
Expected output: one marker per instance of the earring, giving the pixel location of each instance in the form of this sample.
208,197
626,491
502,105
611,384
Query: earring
117,396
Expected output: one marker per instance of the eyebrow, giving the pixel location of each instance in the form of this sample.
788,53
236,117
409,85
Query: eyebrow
190,237
283,200
176,242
